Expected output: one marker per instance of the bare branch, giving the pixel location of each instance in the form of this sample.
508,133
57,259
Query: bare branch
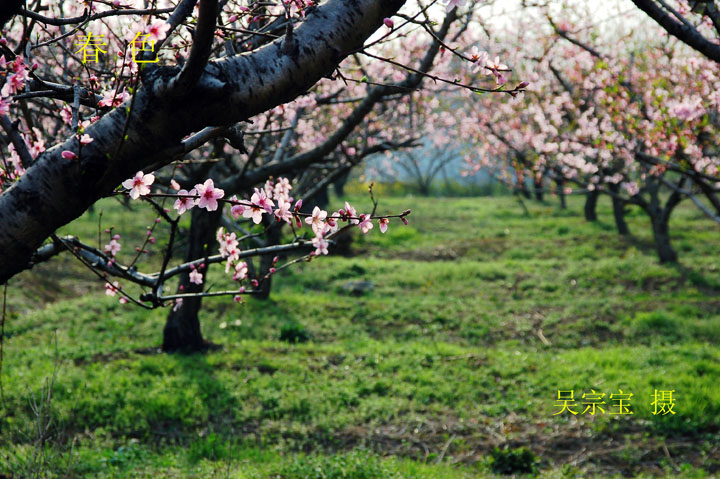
17,140
88,18
682,31
200,52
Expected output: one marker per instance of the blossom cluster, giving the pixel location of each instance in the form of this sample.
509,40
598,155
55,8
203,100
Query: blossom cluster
16,74
15,81
272,201
481,61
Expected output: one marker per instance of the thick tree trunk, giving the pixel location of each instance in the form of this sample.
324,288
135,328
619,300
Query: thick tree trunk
560,185
660,219
591,200
182,329
619,215
538,185
618,206
661,233
423,188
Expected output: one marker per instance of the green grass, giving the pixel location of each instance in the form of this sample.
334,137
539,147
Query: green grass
477,317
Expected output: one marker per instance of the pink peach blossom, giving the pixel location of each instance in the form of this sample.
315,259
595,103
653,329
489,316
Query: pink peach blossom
184,202
365,224
208,195
196,277
139,185
384,224
317,220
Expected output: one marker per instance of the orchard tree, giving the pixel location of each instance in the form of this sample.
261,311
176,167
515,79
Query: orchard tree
316,139
153,126
635,121
200,122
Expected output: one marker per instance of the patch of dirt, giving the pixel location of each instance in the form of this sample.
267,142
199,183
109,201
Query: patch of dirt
100,358
627,451
449,252
147,351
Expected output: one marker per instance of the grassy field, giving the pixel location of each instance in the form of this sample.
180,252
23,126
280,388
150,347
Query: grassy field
446,368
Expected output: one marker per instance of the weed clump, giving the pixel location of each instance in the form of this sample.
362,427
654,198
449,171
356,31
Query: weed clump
513,461
294,332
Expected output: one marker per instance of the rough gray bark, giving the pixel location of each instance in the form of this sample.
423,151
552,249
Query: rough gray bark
54,191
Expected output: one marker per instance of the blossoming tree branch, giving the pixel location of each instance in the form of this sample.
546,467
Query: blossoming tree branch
206,120
154,120
67,178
